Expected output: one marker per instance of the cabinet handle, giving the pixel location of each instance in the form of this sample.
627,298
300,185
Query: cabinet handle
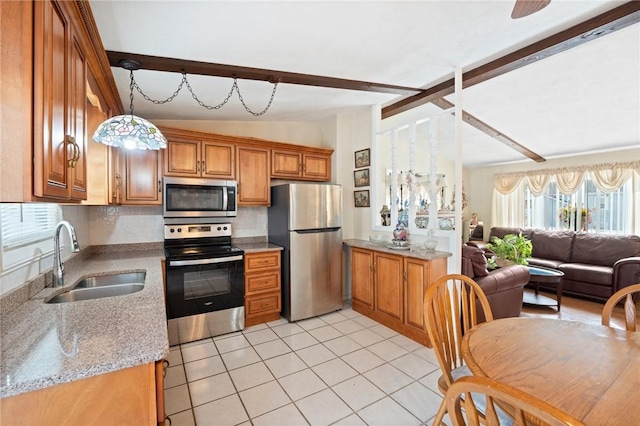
71,141
159,186
198,166
118,181
404,274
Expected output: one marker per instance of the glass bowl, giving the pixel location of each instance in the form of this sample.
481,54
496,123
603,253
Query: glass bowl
378,239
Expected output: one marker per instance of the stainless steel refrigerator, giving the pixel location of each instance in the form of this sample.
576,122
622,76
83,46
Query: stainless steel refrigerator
306,219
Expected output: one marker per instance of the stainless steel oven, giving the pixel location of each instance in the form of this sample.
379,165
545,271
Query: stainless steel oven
193,197
205,282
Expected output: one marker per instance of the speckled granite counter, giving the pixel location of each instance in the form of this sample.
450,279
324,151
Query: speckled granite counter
47,344
258,247
418,251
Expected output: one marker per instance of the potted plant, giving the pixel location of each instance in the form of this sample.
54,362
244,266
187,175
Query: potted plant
512,248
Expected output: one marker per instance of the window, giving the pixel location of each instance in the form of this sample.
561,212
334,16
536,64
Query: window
26,235
589,209
24,224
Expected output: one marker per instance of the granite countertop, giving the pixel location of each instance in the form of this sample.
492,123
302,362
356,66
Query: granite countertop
417,251
47,344
258,247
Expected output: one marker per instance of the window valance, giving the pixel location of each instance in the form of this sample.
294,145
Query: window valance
608,177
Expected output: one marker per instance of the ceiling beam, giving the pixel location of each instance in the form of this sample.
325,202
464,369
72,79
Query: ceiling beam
606,23
488,130
157,63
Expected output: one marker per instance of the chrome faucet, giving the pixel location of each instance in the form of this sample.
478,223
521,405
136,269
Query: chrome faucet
58,266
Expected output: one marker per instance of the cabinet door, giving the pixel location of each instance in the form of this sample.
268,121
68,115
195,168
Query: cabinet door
362,276
286,164
218,160
182,158
77,110
316,167
51,141
142,177
417,278
389,297
253,176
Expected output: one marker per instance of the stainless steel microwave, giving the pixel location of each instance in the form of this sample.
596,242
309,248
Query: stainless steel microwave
193,197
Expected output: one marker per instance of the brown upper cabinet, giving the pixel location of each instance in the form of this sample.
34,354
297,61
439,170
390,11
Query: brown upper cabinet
140,177
300,165
188,157
250,161
253,176
60,112
50,51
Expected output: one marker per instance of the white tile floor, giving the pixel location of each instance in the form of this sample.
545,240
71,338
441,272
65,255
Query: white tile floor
337,369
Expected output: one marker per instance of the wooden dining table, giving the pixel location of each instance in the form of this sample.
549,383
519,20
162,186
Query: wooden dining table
589,371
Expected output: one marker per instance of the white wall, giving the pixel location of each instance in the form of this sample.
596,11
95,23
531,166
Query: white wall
302,133
479,181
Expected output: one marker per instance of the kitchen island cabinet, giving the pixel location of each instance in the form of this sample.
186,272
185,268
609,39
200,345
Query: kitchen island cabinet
390,287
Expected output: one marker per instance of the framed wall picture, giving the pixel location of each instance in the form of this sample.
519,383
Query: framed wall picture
361,198
363,158
361,177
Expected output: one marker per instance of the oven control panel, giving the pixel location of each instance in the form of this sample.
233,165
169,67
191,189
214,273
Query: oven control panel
197,230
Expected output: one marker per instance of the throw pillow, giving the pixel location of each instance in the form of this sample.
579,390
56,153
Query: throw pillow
478,260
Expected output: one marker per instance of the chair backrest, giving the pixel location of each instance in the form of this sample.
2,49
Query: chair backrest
450,310
629,307
525,408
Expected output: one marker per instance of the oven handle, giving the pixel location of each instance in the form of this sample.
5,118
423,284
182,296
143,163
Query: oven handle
204,261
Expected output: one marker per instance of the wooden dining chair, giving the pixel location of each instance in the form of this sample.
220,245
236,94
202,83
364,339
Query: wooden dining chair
450,310
527,409
629,307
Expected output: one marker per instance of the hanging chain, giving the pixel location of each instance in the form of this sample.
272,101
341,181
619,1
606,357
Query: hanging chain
210,107
131,84
257,114
185,81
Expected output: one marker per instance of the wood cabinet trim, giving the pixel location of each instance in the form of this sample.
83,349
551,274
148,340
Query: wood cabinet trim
243,140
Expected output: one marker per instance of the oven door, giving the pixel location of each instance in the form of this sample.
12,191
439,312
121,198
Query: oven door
200,286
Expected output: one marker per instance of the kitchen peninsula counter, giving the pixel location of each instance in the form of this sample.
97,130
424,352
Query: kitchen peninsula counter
49,344
417,251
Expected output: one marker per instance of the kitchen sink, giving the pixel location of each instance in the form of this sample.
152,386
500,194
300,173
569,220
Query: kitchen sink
97,287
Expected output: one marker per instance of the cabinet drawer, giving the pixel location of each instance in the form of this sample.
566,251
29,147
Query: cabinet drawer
261,261
262,282
261,304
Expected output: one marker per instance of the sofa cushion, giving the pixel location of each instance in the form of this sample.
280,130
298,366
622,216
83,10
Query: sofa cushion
603,249
595,274
552,245
545,263
478,260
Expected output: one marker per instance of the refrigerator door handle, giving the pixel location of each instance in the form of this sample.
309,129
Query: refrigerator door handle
315,231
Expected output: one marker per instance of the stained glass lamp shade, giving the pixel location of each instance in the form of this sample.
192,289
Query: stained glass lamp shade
130,131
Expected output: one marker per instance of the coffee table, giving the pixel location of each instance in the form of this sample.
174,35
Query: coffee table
548,276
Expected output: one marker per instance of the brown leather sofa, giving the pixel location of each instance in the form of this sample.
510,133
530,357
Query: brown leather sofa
595,265
503,287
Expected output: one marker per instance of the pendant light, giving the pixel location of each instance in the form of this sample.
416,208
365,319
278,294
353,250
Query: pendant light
130,131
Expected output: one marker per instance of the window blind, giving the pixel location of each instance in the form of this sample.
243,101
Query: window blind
24,224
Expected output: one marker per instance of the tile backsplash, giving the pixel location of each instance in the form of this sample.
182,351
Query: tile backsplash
108,225
127,224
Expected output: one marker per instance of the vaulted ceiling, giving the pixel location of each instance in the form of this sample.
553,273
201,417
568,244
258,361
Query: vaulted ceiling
585,99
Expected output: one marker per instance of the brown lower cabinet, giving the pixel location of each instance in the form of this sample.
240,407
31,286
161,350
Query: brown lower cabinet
390,289
132,396
262,300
